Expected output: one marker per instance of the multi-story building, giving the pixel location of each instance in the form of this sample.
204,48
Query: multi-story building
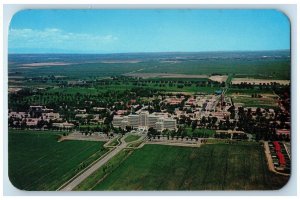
117,121
124,122
152,119
133,120
166,123
169,124
159,126
143,117
145,120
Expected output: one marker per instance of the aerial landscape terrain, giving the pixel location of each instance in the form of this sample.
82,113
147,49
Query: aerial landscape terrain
210,116
149,121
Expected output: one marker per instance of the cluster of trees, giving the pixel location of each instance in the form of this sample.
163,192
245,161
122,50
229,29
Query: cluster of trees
285,96
262,127
105,128
239,136
260,86
47,79
41,124
223,136
138,82
181,133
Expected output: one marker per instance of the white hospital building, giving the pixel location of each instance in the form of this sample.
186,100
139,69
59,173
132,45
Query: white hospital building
145,120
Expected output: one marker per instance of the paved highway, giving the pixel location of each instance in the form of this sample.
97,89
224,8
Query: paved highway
70,186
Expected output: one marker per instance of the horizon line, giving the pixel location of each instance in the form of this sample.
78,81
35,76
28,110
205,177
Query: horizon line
152,52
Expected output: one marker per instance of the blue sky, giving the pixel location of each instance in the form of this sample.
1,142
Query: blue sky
121,31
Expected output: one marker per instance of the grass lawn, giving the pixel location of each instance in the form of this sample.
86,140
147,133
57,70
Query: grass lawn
114,142
131,138
38,162
210,167
135,144
200,132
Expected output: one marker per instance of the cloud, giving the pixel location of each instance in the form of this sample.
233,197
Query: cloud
53,38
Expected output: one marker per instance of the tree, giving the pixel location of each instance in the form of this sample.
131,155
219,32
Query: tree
128,128
232,112
109,119
11,122
23,125
50,124
194,125
151,131
40,124
203,121
258,112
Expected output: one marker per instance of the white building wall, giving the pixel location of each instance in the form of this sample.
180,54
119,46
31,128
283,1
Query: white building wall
152,119
170,124
159,126
133,120
124,123
117,121
143,118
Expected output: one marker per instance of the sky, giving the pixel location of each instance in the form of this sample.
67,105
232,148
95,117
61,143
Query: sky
123,31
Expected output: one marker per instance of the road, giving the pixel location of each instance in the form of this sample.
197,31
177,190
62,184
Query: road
70,186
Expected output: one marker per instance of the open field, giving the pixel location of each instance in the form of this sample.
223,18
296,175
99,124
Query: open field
115,87
170,76
267,101
277,68
46,64
258,81
165,75
219,78
239,91
38,162
87,66
210,167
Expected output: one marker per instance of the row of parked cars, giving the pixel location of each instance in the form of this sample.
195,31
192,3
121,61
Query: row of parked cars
280,157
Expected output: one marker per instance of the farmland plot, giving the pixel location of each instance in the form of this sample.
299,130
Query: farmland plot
38,162
210,167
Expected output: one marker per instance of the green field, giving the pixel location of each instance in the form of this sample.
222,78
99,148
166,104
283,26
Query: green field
279,69
38,162
257,68
131,138
116,87
210,167
248,101
200,132
234,91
